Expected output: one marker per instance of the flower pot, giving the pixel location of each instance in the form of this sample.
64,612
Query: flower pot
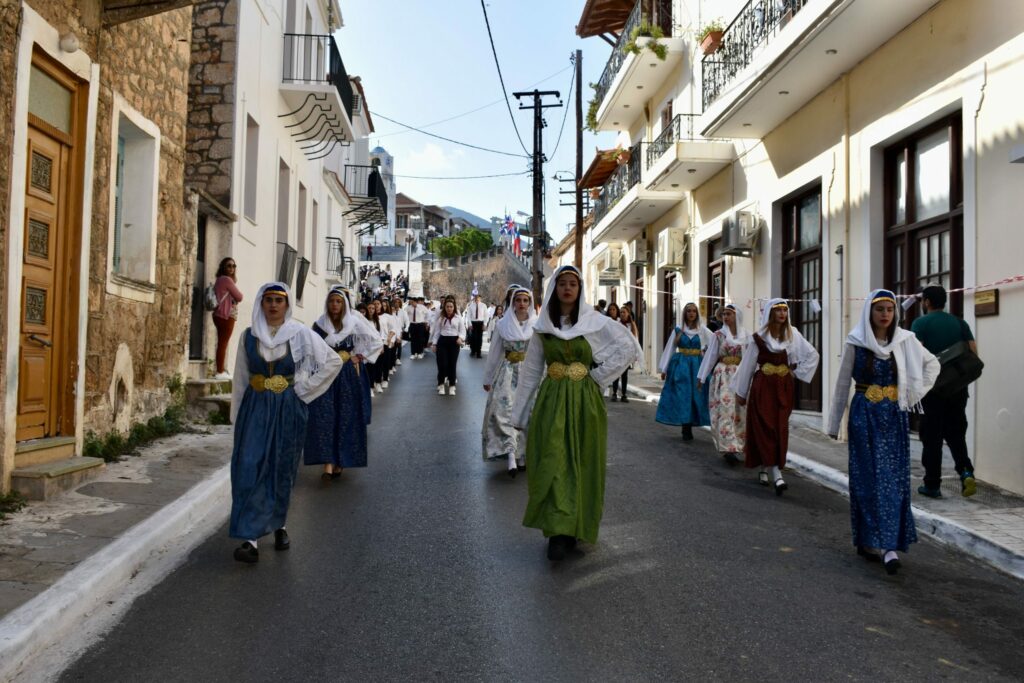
711,42
595,193
623,158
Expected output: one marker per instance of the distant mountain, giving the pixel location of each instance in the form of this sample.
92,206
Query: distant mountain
482,223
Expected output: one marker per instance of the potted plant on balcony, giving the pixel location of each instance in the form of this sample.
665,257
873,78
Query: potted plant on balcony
646,35
595,193
710,37
622,156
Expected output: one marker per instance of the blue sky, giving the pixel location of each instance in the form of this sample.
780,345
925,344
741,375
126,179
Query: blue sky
422,61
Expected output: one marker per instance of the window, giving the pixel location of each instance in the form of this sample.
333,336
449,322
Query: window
801,279
136,161
283,194
924,211
252,157
315,240
716,279
300,223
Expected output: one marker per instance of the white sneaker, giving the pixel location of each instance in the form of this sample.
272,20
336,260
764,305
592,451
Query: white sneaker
222,376
379,388
451,391
440,390
398,361
384,384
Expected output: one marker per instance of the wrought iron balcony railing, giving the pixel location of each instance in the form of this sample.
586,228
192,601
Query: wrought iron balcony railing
619,183
300,281
348,275
681,128
316,59
335,256
654,13
754,27
286,257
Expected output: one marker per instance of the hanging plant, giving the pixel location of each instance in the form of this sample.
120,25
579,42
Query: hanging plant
595,193
623,156
710,37
592,107
645,30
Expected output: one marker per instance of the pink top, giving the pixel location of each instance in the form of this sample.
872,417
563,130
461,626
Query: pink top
225,285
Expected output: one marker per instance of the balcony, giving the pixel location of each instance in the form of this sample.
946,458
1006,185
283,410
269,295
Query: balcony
335,257
680,161
317,93
776,55
286,258
625,206
634,72
369,193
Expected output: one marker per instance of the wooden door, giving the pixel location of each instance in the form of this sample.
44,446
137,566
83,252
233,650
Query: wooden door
669,306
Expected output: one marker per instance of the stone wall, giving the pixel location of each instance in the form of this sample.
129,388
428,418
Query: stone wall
10,18
211,88
493,275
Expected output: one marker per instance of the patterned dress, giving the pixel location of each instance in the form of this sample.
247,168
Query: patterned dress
566,447
879,436
269,431
338,419
499,436
681,403
728,418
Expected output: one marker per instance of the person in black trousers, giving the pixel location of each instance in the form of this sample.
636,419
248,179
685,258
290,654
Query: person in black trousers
447,335
945,417
476,318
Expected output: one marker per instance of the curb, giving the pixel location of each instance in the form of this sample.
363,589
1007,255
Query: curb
49,630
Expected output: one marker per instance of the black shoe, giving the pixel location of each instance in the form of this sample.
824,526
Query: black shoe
867,555
892,566
556,548
570,542
732,459
780,486
521,468
512,471
687,433
624,399
614,398
335,475
247,553
281,541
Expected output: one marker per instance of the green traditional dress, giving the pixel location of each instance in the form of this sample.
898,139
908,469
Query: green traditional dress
566,445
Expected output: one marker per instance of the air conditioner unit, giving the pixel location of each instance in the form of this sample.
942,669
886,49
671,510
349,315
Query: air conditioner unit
611,259
673,249
639,254
740,233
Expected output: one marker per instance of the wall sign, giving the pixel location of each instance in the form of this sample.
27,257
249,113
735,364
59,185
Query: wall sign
986,302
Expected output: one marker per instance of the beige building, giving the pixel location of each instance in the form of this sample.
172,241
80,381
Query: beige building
825,148
96,244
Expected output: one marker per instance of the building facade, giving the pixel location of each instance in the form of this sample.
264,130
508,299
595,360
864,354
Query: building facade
826,147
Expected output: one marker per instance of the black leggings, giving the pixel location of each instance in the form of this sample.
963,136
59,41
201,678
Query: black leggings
447,358
624,379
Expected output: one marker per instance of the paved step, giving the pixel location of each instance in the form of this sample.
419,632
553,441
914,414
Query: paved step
220,402
39,451
199,388
43,481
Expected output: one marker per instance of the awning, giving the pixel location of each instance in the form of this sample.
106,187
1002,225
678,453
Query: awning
603,16
600,169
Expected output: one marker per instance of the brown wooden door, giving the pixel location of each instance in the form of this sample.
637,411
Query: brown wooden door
669,304
41,381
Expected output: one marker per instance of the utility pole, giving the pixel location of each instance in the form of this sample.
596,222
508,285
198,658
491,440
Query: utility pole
536,220
578,254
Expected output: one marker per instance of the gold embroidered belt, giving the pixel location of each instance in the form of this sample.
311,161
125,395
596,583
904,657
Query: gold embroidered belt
689,352
515,356
275,383
775,369
729,360
877,393
575,371
344,355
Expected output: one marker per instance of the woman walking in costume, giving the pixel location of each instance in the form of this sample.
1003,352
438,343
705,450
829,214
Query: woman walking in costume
566,446
501,377
336,436
626,318
891,371
682,402
772,358
721,362
492,324
280,367
447,336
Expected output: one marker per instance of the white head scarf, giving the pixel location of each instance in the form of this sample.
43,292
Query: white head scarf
508,294
509,326
366,339
904,348
589,319
307,354
700,330
742,335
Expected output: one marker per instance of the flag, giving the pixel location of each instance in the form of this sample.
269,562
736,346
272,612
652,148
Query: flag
518,247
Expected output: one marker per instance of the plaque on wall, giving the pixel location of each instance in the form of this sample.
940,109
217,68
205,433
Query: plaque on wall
986,302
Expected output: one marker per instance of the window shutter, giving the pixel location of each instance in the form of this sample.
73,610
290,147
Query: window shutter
118,203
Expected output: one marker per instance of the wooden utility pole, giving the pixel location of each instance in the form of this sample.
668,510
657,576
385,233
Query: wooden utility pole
537,219
578,254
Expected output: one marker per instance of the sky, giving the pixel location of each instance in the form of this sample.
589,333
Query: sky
423,61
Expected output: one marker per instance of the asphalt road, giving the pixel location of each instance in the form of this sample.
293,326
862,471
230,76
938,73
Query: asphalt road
417,568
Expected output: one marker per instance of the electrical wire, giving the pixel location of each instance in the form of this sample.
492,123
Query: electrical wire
441,137
565,114
501,79
461,177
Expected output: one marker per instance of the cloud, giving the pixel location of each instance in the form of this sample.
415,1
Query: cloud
431,160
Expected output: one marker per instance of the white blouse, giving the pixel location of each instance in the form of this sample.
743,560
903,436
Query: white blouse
799,353
441,327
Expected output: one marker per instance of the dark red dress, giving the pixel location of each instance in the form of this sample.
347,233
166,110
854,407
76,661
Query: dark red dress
769,405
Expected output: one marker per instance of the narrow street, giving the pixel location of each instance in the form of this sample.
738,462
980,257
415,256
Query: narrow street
418,568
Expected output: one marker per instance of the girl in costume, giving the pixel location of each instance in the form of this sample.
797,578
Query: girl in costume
772,358
891,372
492,324
721,363
501,377
447,336
582,351
336,437
626,318
280,367
682,402
375,369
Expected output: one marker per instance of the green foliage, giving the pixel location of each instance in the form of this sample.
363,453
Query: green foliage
216,417
462,243
10,503
710,27
176,386
113,445
646,30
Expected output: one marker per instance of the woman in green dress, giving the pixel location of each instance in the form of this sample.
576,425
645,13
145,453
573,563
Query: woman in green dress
576,352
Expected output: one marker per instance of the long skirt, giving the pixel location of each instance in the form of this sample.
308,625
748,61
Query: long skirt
681,403
336,434
728,418
769,405
500,438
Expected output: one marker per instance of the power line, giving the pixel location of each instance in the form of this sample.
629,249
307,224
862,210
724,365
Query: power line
441,137
471,111
501,79
461,177
565,114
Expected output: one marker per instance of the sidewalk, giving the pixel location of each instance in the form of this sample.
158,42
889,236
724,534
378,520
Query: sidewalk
988,526
91,550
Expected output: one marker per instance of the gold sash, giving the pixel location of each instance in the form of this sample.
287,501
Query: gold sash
877,393
688,352
275,383
515,356
575,371
729,360
773,369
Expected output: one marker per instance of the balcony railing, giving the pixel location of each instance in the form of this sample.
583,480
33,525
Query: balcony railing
754,27
366,182
286,257
655,13
316,59
348,272
335,256
300,282
618,184
681,128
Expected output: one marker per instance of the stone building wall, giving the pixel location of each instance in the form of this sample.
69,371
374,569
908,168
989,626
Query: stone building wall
10,16
493,275
211,89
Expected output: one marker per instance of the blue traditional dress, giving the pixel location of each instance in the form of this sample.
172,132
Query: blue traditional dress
681,403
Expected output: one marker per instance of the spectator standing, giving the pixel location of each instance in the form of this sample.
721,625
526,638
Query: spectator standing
224,316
